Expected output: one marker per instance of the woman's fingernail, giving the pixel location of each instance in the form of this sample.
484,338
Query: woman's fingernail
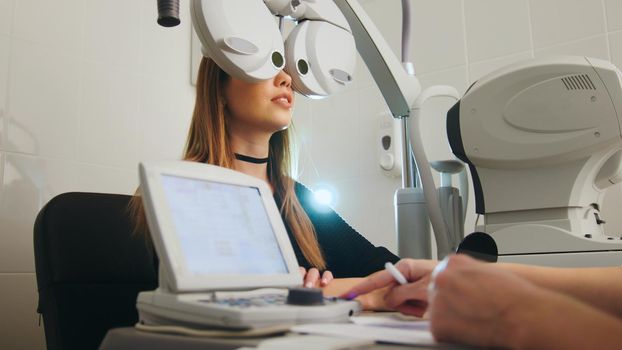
324,281
309,285
350,296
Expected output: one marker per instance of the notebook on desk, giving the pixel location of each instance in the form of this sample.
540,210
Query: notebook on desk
225,256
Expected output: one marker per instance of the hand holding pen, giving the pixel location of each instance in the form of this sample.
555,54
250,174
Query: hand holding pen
397,275
407,284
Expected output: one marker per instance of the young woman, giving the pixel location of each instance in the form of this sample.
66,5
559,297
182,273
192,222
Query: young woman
244,126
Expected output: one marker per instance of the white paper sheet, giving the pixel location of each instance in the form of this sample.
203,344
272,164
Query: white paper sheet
379,329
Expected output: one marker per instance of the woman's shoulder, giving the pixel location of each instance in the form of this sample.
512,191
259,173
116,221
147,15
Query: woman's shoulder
303,192
302,189
306,198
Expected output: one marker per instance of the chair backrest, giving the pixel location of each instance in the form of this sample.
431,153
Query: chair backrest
89,268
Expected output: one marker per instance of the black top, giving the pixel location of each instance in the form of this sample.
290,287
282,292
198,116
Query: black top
347,253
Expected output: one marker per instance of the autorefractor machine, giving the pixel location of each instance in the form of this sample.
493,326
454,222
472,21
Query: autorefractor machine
542,138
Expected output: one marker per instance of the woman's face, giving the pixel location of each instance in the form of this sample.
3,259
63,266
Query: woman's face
265,106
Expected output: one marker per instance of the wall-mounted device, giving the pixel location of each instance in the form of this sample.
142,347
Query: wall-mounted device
389,145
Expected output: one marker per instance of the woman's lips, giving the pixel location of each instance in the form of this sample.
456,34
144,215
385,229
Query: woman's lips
283,101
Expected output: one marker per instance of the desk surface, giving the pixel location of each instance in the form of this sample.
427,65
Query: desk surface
130,339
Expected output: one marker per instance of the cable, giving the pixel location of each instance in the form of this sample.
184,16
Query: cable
406,31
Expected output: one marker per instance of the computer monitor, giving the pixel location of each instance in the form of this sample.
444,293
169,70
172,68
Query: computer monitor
215,228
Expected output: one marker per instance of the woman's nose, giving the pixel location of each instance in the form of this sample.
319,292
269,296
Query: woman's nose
283,79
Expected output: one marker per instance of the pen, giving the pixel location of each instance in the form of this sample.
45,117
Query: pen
397,275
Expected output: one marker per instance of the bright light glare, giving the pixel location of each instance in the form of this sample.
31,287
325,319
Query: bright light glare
324,196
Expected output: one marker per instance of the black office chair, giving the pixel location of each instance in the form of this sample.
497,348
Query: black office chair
89,268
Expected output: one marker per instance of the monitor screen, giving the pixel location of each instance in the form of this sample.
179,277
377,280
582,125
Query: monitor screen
222,228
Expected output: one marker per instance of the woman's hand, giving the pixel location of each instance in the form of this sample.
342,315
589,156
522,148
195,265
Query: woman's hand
410,299
374,300
311,278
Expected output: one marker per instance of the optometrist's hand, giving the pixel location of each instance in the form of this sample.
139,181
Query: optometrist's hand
410,299
312,278
477,303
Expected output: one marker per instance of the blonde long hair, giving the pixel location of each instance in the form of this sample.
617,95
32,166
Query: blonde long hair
208,142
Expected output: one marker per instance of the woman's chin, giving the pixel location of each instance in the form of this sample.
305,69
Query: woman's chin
281,123
278,128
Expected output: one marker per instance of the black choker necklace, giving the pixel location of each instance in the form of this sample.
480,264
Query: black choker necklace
251,159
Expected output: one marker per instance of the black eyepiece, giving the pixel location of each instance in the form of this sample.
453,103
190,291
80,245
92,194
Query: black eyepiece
479,245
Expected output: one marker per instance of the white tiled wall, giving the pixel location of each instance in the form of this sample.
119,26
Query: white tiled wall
560,21
88,88
612,10
54,25
438,33
43,100
18,301
4,77
496,28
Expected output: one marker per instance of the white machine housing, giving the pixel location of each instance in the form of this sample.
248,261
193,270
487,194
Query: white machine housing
243,38
543,140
